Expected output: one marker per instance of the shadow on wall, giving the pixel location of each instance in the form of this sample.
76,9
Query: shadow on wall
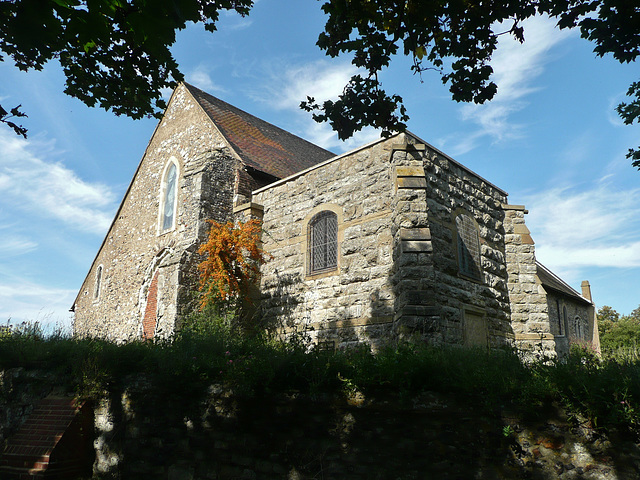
401,275
446,293
275,313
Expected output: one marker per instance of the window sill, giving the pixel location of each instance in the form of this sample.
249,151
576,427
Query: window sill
322,274
160,234
479,281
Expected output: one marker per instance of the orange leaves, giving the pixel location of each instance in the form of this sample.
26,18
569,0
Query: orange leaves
232,262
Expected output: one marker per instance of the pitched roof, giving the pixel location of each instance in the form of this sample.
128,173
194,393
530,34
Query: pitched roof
551,281
259,144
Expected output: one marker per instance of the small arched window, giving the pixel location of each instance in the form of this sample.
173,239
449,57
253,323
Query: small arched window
98,284
168,204
468,247
323,242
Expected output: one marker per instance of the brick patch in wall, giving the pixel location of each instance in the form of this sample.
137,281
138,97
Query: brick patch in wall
50,444
151,310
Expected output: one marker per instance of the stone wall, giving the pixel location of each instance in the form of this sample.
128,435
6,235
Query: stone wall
140,433
529,309
354,302
134,250
433,294
397,273
296,438
537,313
577,313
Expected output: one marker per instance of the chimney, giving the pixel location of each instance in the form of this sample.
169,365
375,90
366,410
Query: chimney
586,290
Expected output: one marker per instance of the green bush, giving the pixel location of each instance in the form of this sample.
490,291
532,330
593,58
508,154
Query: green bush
207,352
618,334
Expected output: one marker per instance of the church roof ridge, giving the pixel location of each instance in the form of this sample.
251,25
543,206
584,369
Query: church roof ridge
553,281
260,145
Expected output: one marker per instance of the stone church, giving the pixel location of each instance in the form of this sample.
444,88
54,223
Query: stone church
392,240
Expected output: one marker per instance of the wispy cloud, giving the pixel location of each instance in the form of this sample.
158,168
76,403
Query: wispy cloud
233,21
13,245
31,183
28,301
320,79
289,84
516,67
612,115
595,227
201,78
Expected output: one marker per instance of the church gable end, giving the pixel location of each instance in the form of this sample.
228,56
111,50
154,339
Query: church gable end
187,175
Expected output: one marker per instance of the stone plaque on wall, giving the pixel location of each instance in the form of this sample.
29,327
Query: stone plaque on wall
475,329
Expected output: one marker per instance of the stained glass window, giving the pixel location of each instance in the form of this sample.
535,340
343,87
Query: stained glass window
323,242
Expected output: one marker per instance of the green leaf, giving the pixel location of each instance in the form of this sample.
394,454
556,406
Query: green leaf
90,45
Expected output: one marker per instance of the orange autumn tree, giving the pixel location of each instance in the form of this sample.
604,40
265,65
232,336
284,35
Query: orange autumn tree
231,264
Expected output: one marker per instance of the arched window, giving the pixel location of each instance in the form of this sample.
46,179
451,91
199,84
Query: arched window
323,242
468,247
168,205
98,284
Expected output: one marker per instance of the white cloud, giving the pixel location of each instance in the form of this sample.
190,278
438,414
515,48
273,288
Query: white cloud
591,228
516,66
321,79
26,301
201,78
288,85
50,189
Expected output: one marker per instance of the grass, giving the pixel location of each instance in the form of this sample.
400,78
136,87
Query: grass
606,391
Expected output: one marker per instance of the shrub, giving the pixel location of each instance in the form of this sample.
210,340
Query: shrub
230,268
207,352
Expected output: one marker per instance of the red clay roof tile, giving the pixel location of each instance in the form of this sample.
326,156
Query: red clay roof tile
259,144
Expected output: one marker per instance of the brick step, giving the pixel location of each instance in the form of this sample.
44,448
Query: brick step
20,460
53,443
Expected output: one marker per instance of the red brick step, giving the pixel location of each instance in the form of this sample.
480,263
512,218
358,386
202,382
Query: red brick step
54,442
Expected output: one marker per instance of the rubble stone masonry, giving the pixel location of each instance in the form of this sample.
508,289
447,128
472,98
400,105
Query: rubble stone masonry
135,250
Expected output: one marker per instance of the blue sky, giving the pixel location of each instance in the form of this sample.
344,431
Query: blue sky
550,138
